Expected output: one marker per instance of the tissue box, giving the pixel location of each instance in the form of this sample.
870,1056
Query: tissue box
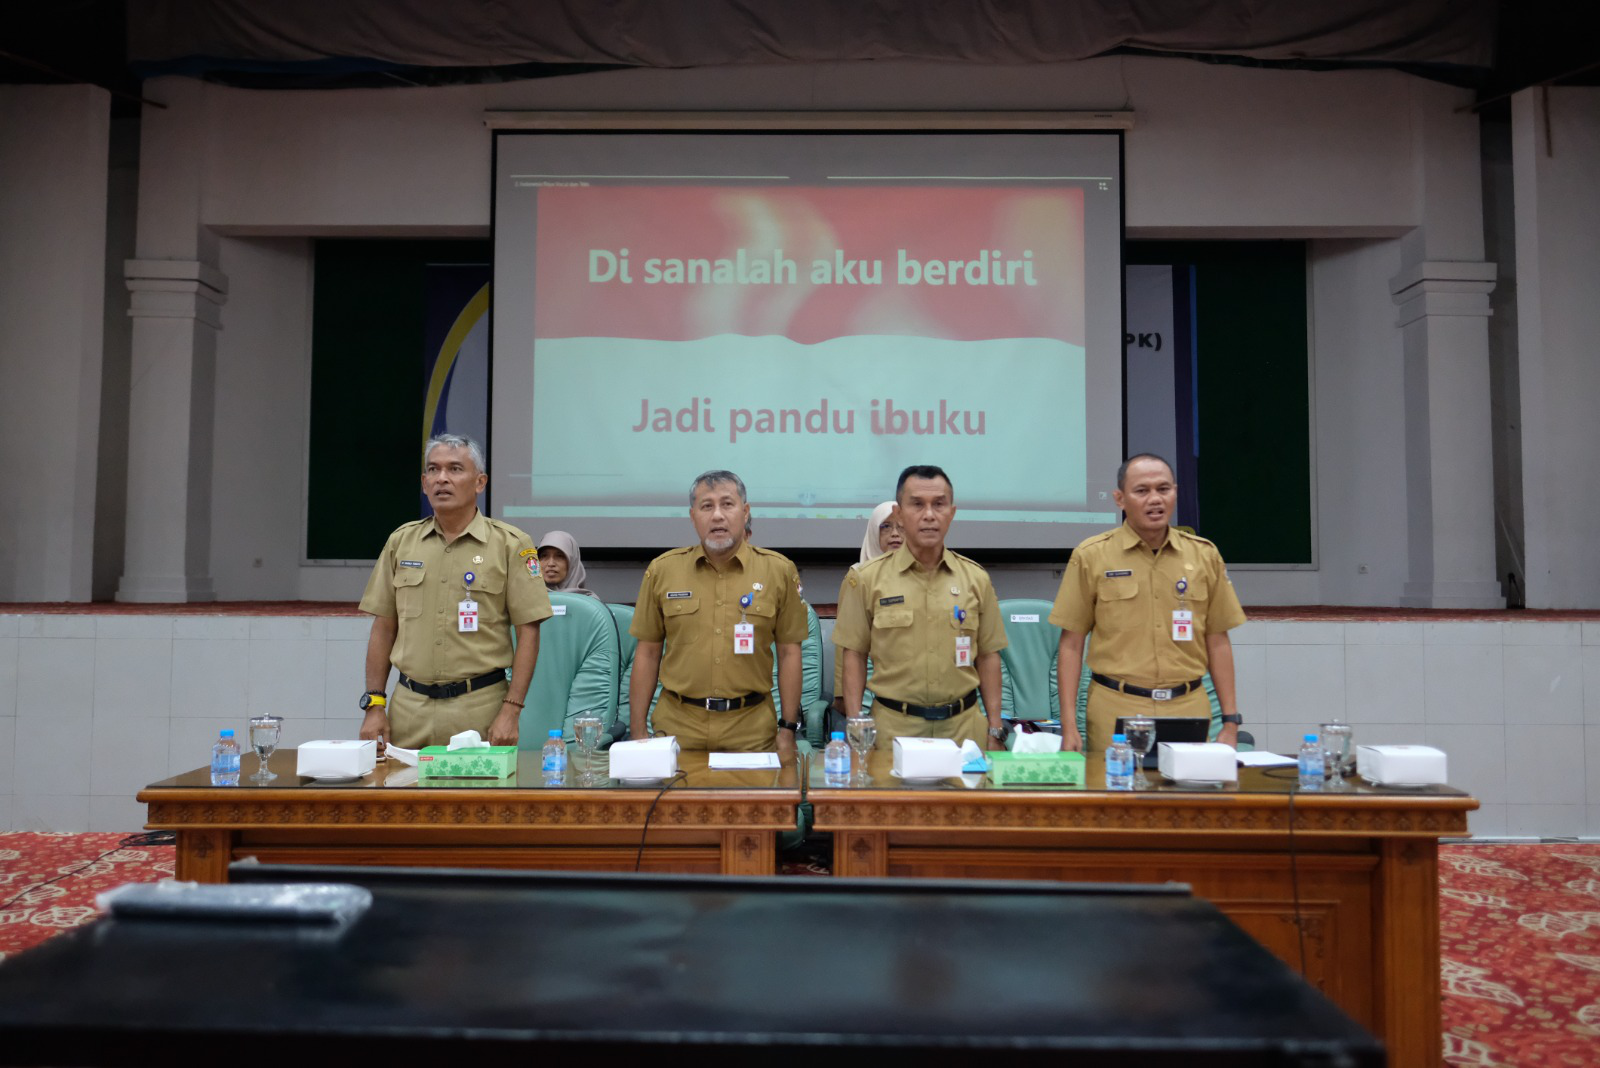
1400,765
648,758
482,762
327,759
1198,761
926,758
1062,768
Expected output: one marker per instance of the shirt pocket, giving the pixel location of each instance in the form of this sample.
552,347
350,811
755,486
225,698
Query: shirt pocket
1116,602
891,633
489,580
408,592
683,608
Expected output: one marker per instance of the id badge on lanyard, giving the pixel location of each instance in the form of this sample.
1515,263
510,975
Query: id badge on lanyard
963,641
467,609
744,632
1182,618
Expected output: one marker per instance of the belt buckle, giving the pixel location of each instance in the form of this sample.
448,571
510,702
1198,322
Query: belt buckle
716,704
1160,695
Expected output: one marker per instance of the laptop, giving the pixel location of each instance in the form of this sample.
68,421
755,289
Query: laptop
1174,729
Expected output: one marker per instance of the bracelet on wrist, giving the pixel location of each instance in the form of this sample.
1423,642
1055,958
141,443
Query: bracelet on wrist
515,704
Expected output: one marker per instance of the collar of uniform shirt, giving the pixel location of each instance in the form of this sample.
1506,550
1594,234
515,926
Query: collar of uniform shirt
477,530
742,555
1131,540
904,561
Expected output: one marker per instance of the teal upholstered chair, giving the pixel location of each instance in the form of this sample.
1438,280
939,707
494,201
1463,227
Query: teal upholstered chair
577,671
1028,684
813,701
622,617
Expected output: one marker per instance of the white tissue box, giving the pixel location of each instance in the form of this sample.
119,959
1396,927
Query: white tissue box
326,758
648,758
926,758
1198,761
1401,765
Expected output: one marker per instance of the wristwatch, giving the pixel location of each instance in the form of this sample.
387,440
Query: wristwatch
997,733
788,726
1233,718
374,698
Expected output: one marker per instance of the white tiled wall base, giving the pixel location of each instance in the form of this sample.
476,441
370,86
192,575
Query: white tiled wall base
94,706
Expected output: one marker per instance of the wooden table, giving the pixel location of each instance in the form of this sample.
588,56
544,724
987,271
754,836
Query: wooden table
708,822
1346,882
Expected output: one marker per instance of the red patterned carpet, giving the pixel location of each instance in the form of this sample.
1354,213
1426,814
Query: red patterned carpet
1520,929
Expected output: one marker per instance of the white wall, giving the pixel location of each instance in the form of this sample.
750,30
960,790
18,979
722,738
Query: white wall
1216,151
95,706
1558,323
53,154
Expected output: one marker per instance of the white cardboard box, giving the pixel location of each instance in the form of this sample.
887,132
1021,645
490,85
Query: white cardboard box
1401,765
647,758
926,758
328,758
1198,761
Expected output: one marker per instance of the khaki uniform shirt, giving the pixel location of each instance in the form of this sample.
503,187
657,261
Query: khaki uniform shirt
1126,594
693,607
420,580
904,618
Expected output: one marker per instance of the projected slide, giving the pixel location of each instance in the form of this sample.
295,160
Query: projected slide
814,337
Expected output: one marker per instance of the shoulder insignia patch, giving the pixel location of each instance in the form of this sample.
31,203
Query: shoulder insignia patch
529,552
533,566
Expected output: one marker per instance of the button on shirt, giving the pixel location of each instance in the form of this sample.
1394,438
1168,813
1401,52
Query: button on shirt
1115,587
420,580
903,616
693,606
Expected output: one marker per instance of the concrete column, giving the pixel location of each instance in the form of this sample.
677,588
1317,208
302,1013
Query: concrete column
176,297
53,151
1444,309
1443,294
176,310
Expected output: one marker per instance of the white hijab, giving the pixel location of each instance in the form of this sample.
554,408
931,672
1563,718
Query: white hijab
567,545
870,548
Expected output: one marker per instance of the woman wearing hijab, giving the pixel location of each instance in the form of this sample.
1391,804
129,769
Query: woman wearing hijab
562,563
883,535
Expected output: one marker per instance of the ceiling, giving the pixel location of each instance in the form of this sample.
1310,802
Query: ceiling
1536,41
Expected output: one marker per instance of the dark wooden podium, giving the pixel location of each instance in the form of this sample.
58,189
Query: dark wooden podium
482,965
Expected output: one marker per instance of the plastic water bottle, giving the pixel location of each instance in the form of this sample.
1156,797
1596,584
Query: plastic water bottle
225,761
1119,763
1311,764
836,761
553,760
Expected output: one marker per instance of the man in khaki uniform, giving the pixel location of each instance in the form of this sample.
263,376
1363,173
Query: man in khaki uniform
1160,605
930,621
444,596
717,608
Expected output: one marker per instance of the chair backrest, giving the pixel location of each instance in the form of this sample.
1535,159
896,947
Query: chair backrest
1028,684
578,669
811,677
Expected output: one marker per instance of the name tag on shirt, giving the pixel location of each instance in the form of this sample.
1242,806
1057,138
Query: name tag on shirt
744,638
1182,625
467,616
964,650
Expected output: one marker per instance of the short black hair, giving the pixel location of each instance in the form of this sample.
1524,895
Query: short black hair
922,471
1122,472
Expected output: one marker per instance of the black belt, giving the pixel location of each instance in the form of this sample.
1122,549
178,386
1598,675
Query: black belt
721,704
928,711
453,689
1166,694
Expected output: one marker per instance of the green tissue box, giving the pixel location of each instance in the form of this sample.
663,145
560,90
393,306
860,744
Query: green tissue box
1064,769
442,762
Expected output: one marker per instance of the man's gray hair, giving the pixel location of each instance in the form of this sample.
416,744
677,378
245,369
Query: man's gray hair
715,478
456,441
